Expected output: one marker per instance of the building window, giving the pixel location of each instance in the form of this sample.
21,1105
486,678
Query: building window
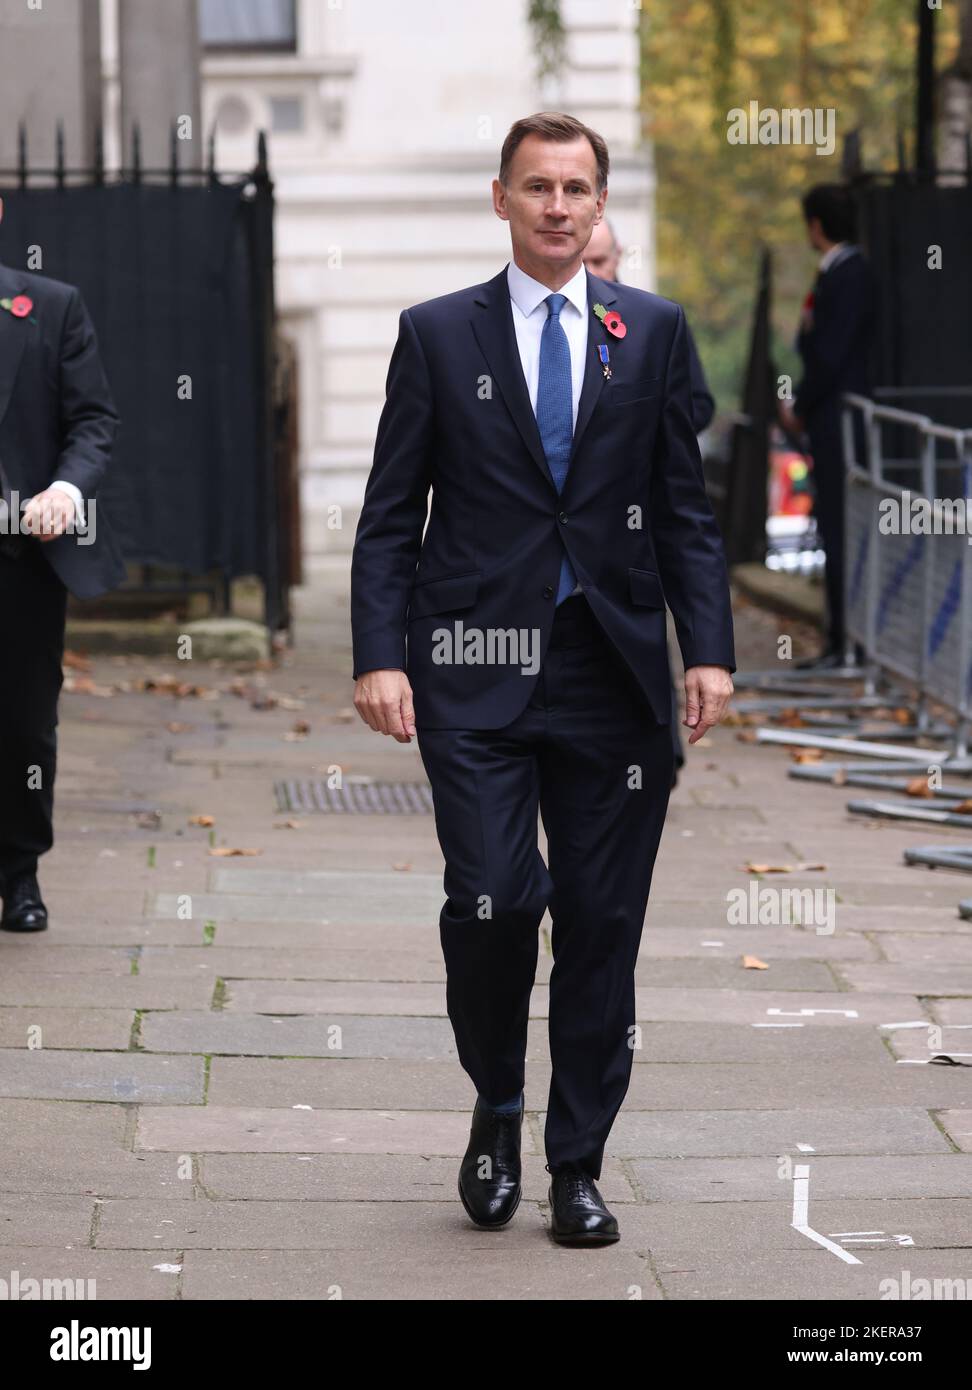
286,114
248,24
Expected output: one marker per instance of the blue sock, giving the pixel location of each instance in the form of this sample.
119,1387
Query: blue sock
509,1107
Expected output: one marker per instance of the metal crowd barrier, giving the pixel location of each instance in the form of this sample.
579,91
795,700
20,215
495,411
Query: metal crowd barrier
908,620
908,595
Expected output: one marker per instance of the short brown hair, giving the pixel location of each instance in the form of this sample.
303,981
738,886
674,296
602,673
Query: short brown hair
554,125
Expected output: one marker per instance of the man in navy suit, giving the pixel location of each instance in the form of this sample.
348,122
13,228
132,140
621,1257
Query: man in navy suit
521,639
834,341
57,424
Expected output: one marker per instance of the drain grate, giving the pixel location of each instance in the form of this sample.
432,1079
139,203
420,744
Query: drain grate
355,798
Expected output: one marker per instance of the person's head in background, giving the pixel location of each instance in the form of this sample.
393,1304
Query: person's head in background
828,210
603,254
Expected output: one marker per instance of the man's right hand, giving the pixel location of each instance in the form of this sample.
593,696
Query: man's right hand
384,701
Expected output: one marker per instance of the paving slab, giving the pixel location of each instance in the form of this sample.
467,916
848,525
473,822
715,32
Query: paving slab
45,1219
316,1036
105,1076
276,962
97,1171
957,1124
801,1083
66,1027
33,957
813,1275
876,1130
235,1129
922,978
460,1267
105,991
769,943
687,1179
95,1275
79,1127
927,949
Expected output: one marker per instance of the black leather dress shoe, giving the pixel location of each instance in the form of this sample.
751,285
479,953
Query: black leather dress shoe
489,1175
577,1210
23,906
828,660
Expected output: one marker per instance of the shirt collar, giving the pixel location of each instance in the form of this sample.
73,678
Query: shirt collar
831,254
528,293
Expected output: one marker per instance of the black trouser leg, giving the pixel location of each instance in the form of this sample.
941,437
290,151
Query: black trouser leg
33,603
828,485
606,773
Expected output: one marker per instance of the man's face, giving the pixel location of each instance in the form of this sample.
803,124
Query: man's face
550,200
603,254
815,234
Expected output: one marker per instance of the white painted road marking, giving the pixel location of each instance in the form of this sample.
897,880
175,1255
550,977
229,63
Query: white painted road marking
801,1210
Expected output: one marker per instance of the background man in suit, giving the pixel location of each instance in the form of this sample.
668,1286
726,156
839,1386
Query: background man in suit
834,341
57,424
550,414
603,258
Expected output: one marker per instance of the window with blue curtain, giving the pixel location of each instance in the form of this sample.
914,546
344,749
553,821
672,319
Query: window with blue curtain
248,24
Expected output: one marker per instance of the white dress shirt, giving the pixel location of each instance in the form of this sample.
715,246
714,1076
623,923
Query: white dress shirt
530,313
529,316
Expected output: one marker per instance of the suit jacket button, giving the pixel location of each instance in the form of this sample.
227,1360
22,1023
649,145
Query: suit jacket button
561,516
548,591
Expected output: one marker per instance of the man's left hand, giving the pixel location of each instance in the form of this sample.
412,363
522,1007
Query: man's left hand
790,421
48,514
708,690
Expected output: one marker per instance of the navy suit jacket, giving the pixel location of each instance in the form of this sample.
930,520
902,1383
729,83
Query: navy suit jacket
58,420
836,347
633,513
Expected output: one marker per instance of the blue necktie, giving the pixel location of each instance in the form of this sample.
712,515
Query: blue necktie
555,413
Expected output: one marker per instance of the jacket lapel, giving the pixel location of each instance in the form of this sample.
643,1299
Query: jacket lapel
598,292
12,338
493,326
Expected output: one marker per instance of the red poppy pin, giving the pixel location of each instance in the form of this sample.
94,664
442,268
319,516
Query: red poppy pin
611,320
20,306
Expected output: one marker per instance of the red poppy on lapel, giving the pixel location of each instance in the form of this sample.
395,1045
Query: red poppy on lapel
20,306
611,320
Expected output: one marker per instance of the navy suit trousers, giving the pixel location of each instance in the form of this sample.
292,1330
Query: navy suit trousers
33,601
588,754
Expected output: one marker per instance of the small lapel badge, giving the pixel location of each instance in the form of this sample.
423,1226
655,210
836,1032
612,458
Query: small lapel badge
605,356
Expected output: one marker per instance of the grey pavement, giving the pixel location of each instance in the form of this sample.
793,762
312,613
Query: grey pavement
232,1075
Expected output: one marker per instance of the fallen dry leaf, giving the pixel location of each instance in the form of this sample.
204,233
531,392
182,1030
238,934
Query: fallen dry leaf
288,825
174,727
782,868
754,963
839,778
964,808
202,820
224,851
806,755
75,661
402,868
918,786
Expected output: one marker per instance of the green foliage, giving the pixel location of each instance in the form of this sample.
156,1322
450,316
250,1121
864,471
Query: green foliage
717,203
549,36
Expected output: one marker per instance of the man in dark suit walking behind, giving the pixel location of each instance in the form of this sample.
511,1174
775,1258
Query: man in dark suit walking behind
834,342
550,414
57,424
